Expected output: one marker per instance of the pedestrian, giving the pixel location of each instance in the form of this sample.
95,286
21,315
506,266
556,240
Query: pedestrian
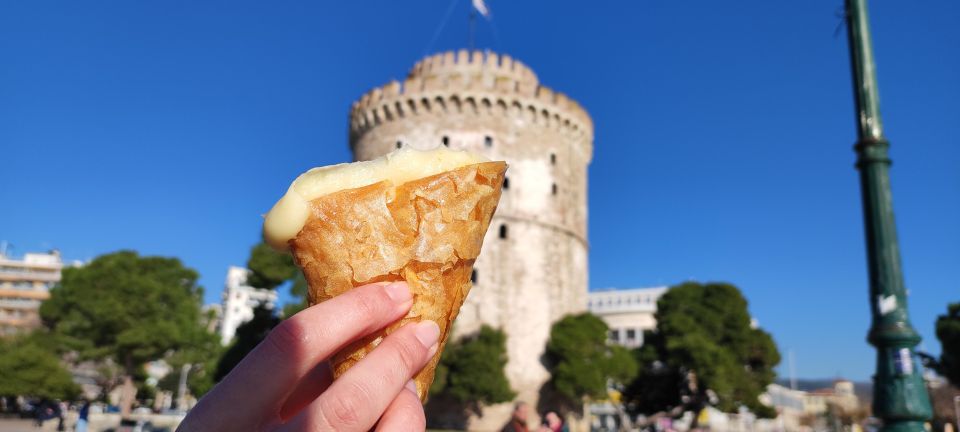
82,420
518,421
60,412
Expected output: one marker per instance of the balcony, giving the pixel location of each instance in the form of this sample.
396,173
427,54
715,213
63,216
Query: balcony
37,294
29,275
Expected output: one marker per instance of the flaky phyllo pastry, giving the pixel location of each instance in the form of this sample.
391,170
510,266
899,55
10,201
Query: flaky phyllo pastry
417,216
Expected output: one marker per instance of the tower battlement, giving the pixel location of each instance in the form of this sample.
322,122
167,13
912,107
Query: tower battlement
473,62
482,83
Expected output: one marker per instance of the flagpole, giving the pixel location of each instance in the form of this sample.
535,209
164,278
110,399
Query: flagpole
471,28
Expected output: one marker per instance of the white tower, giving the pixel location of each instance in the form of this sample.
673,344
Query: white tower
533,268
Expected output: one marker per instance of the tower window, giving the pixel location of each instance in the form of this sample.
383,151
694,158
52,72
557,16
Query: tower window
488,141
399,144
473,276
503,231
506,183
553,158
554,188
446,141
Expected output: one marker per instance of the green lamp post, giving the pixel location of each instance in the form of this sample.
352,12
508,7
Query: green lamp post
900,398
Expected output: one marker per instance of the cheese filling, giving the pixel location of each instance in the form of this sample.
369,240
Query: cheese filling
287,217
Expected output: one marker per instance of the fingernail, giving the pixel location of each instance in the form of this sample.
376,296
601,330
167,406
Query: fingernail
412,386
428,333
399,292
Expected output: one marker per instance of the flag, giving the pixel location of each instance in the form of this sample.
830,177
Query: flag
481,7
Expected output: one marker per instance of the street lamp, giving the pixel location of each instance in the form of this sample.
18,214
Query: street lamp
899,396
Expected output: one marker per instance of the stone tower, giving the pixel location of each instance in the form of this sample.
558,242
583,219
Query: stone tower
533,268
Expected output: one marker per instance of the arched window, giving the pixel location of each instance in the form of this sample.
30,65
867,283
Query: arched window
488,141
473,276
446,141
553,158
554,187
506,183
503,231
399,144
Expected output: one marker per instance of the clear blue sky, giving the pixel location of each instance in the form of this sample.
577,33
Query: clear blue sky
724,135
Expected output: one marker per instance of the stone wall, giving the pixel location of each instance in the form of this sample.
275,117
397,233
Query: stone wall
533,269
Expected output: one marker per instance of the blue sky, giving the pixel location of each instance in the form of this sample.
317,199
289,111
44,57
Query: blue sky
724,135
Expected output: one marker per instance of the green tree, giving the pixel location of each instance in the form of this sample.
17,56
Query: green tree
30,368
704,350
581,363
200,356
128,308
948,331
471,369
270,269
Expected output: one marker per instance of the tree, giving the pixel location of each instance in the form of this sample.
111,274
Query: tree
270,269
704,350
29,368
471,369
948,331
198,358
128,308
581,362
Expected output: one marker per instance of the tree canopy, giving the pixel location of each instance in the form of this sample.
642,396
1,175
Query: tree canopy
948,331
704,350
29,368
126,307
471,369
581,362
270,269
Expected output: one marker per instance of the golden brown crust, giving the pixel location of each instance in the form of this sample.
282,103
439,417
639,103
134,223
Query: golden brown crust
427,232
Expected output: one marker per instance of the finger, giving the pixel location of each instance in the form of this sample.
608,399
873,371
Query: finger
256,389
405,413
359,397
307,390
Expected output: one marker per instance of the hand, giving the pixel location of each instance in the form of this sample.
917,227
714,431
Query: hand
285,383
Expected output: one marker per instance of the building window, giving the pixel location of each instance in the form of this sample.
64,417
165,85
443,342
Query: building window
554,188
488,141
506,183
503,231
553,158
473,276
631,334
399,144
446,141
614,335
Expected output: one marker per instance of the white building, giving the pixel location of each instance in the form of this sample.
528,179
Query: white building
239,300
628,312
24,284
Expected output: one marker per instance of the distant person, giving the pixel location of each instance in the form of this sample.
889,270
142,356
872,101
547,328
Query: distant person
84,417
60,414
43,412
553,423
518,421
